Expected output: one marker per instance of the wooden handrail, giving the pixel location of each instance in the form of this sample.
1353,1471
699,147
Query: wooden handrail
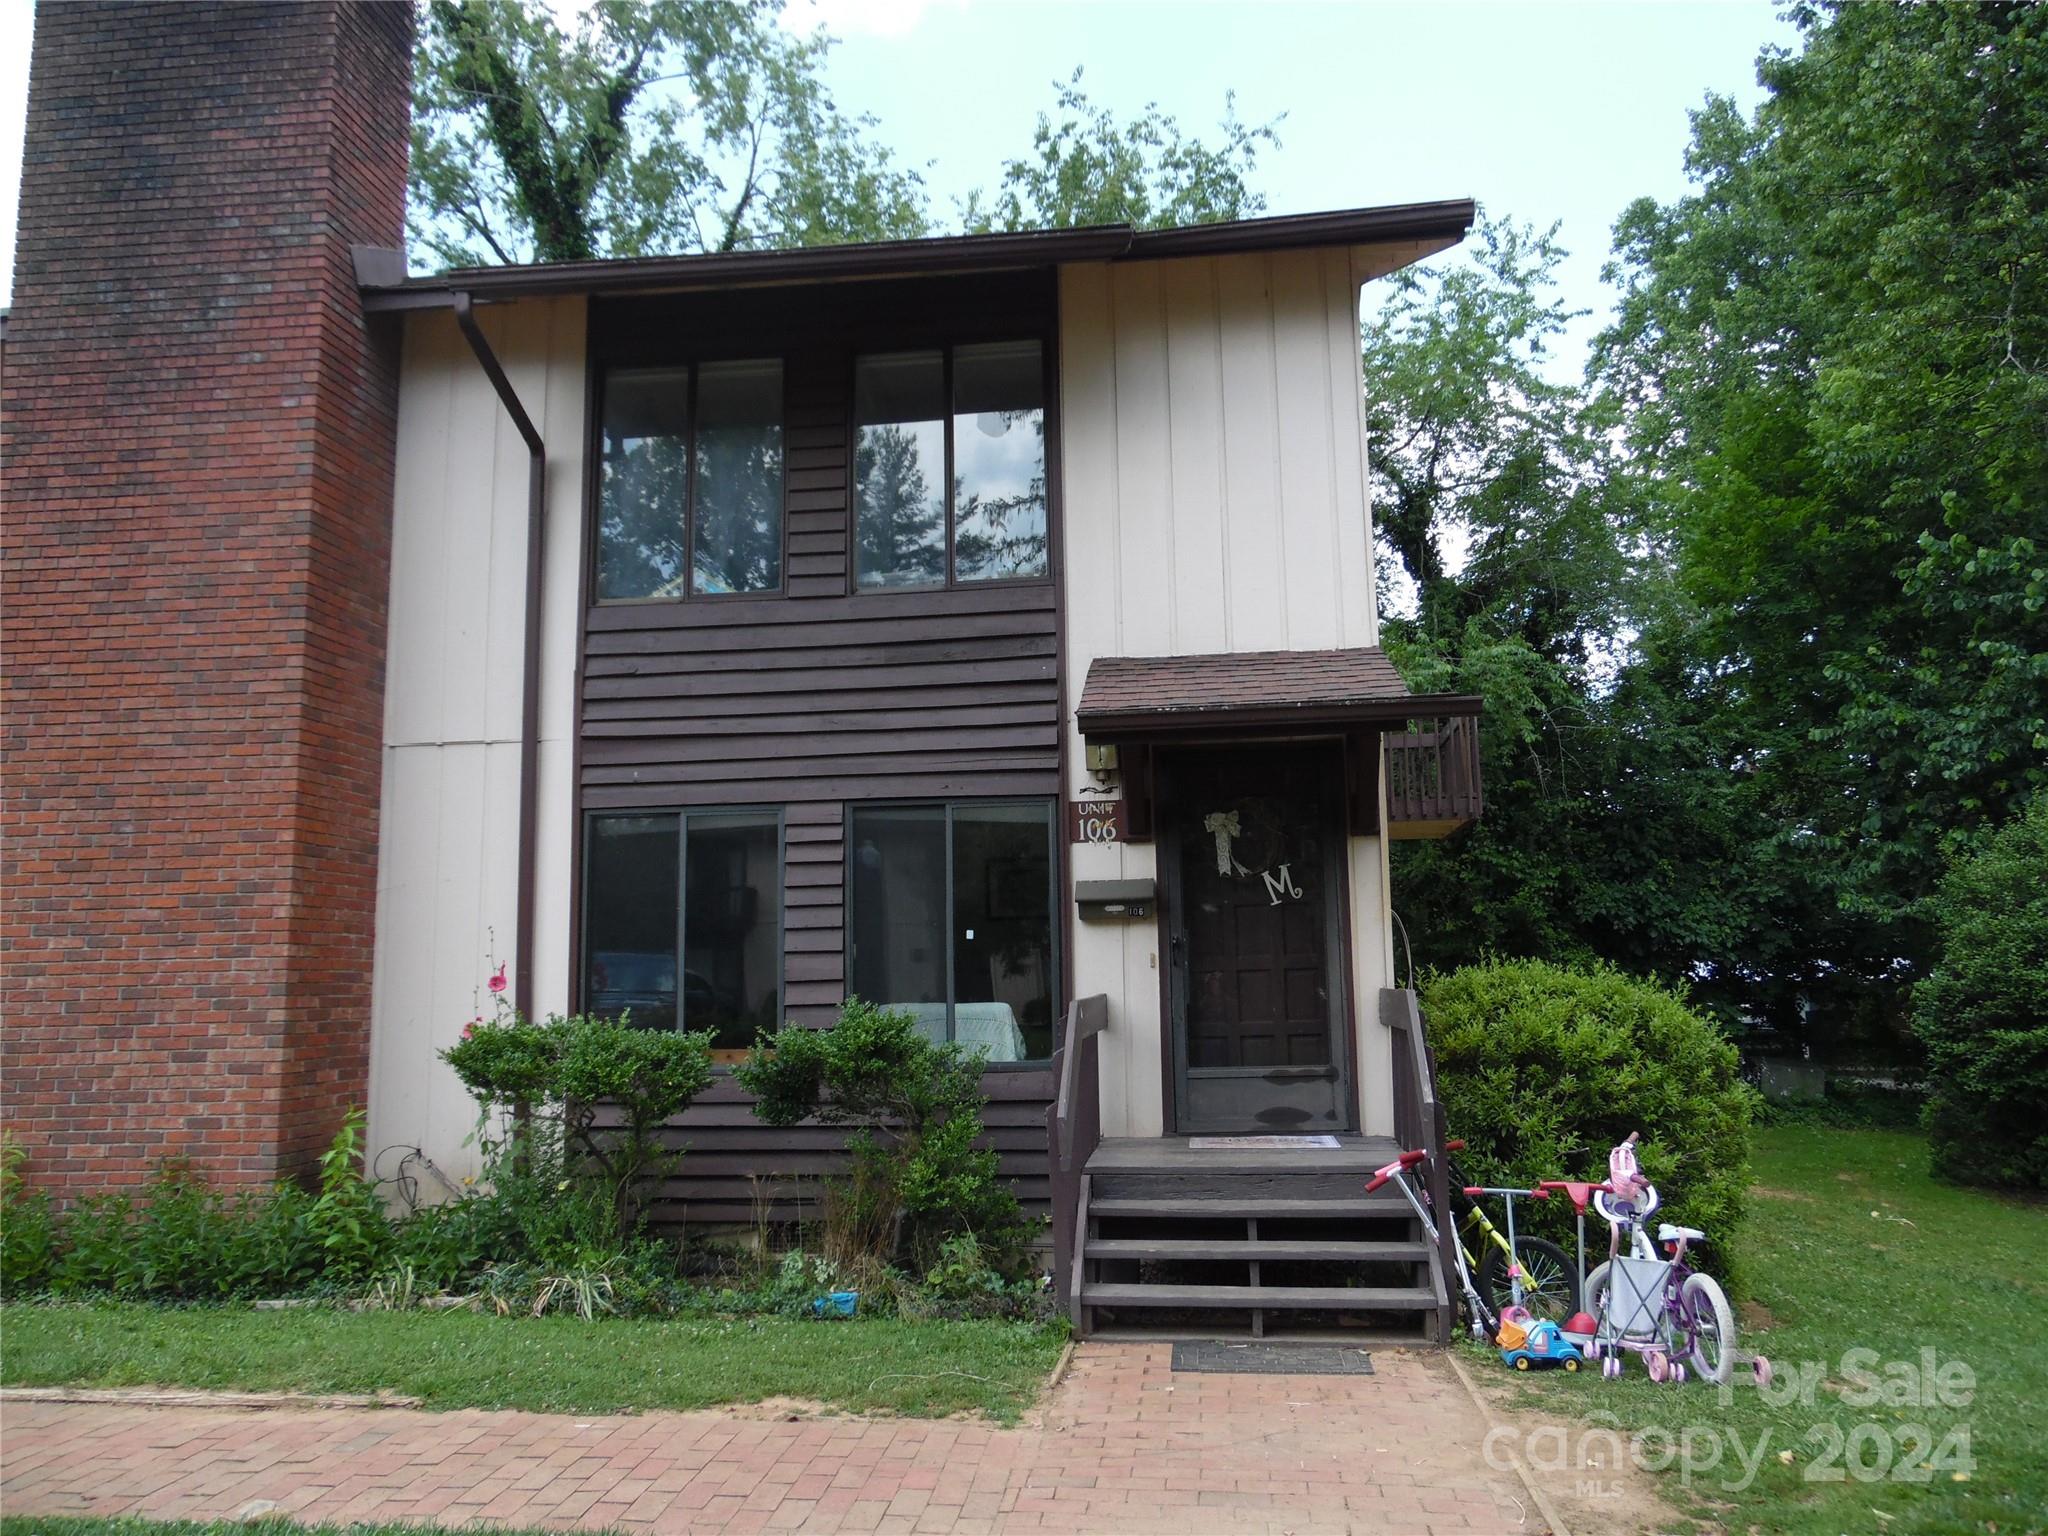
1073,1130
1419,1121
1086,1019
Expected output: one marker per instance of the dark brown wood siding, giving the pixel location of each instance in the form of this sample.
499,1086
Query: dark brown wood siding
821,695
734,1169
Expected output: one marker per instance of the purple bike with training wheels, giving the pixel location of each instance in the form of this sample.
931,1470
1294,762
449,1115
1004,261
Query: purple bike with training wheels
1656,1305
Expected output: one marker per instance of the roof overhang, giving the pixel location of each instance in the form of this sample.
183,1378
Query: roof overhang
1252,695
381,273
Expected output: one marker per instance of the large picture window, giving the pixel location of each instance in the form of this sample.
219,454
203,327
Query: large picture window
682,922
690,460
949,917
949,466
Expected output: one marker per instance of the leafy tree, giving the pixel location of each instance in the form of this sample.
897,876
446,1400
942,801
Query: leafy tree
1476,447
1833,363
1608,835
1087,168
649,127
1984,1011
661,126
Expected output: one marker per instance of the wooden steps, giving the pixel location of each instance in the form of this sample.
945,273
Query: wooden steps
1239,1210
1255,1248
1202,1241
1333,1298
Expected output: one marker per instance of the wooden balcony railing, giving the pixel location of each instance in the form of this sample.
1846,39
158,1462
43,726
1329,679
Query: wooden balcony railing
1433,777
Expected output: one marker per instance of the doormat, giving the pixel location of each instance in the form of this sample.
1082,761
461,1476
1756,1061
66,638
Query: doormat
1216,1358
1227,1143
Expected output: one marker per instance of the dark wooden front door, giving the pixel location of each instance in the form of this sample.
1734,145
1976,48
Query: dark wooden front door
1252,868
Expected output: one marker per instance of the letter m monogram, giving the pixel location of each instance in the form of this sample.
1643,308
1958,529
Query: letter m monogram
1280,885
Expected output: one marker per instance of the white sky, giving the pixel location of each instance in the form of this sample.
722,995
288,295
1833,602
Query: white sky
1563,111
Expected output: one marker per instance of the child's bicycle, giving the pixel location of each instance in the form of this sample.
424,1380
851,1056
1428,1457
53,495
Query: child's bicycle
1533,1273
1659,1308
1518,1268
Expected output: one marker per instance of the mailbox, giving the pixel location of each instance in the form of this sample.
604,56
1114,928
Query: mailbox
1112,901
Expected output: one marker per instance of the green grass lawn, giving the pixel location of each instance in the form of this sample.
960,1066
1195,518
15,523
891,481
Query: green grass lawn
1850,1244
559,1364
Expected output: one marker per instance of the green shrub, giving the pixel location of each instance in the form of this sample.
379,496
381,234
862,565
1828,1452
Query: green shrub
28,1229
178,1237
94,1254
182,1240
273,1244
597,1091
1543,1069
347,1217
507,1062
965,1283
1983,1012
645,1077
1849,1107
915,1109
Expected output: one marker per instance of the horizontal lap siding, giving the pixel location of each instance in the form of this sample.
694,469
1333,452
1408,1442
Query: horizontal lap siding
818,697
735,1169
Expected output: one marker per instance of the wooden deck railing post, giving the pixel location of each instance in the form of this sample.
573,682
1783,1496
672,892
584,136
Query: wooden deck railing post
1073,1131
1419,1121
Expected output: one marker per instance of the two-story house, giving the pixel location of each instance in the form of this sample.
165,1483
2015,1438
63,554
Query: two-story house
970,625
983,626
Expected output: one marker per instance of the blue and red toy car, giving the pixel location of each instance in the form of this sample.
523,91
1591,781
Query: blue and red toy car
1542,1343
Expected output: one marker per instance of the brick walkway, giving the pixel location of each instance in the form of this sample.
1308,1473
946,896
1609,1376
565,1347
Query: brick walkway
1123,1446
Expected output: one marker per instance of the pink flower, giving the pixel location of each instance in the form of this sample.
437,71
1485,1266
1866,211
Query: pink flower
498,979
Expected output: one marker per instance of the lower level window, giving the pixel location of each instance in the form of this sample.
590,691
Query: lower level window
682,922
950,919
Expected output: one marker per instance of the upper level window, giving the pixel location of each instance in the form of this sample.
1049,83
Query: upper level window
707,479
646,481
972,419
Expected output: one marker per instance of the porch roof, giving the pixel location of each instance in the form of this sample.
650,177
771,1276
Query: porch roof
1136,698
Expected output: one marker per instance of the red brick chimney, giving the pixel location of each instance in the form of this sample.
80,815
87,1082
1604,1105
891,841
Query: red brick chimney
198,441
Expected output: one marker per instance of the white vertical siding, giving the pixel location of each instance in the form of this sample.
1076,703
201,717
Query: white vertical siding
1213,453
448,859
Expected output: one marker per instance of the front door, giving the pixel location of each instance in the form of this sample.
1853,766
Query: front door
1252,872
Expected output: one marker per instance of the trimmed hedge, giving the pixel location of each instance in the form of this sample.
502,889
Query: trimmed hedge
1542,1069
1983,1013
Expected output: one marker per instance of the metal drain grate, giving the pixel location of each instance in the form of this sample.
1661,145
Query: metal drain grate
1214,1357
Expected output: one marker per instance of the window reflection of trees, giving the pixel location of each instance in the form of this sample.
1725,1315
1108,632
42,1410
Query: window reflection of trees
640,519
737,530
1000,531
900,526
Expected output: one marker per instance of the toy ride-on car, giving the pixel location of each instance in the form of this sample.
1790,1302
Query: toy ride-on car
1540,1343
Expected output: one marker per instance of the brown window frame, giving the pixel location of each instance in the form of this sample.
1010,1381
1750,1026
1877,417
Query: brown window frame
587,818
945,347
946,806
694,366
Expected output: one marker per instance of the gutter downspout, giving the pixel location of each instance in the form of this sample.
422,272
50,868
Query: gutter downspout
529,702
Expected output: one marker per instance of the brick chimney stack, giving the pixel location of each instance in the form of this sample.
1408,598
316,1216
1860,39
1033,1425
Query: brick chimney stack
198,443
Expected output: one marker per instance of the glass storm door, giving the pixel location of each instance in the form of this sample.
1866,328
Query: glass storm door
1252,857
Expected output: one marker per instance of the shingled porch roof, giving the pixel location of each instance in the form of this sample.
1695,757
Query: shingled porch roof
1252,692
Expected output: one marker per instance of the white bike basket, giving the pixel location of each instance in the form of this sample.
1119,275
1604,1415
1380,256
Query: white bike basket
1635,1298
